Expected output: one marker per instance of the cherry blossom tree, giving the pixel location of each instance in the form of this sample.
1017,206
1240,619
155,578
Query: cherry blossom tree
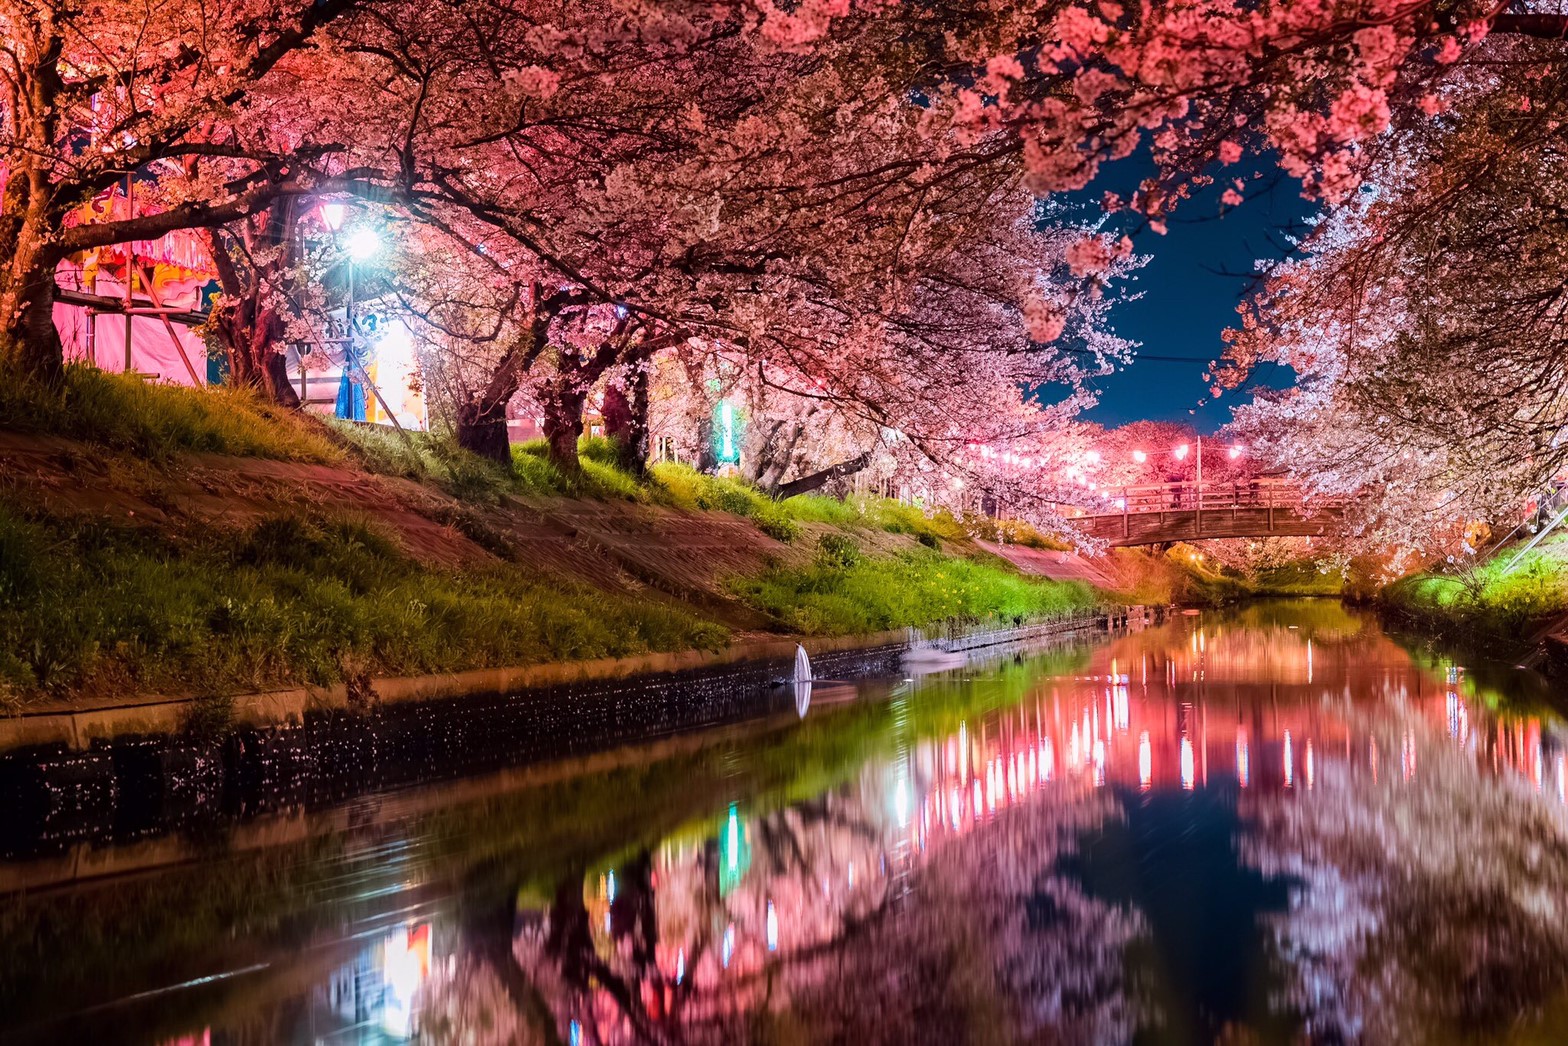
1423,322
734,199
173,97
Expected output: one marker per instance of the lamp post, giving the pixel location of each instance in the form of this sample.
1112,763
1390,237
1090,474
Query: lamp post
360,246
332,216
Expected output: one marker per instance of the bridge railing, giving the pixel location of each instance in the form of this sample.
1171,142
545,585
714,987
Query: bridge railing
1219,497
1162,497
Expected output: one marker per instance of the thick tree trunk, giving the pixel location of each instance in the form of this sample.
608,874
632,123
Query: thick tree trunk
817,480
30,343
626,420
481,429
563,427
251,343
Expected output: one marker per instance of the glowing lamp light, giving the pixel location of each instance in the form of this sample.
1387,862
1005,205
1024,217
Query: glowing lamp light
332,215
363,244
1180,453
1139,456
1234,453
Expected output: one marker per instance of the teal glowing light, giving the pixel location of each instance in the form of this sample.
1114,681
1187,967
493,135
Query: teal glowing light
726,433
734,852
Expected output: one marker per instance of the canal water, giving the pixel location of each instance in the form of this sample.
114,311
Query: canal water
1268,824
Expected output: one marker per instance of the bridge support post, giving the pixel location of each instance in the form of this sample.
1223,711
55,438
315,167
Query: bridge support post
1197,517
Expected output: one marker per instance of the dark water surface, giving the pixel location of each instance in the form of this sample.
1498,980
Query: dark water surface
1274,824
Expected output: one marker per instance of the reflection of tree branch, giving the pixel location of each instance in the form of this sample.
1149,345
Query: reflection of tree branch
488,930
571,944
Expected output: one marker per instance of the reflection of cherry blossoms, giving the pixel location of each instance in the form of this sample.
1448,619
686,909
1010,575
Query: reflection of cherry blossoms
1433,882
793,923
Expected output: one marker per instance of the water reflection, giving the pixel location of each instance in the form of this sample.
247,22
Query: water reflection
1270,825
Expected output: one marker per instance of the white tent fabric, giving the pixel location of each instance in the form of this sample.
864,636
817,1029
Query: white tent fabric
100,340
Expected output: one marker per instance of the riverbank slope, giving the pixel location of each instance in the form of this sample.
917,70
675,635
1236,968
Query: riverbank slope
156,540
1514,602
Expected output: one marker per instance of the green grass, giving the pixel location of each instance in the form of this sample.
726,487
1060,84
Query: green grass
100,608
844,592
158,421
1489,600
883,514
685,487
1014,532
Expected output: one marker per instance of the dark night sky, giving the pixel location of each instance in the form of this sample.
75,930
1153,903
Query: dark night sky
1189,296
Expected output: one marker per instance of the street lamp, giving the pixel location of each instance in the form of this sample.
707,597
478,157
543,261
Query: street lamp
363,244
332,215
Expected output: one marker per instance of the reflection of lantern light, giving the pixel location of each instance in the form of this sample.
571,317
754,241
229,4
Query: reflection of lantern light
773,929
680,966
1187,773
1243,771
729,944
1145,761
1290,763
1310,774
405,963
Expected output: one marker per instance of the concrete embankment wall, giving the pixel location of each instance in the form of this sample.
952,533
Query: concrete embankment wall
134,769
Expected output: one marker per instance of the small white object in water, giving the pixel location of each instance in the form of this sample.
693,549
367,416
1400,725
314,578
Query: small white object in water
802,680
802,665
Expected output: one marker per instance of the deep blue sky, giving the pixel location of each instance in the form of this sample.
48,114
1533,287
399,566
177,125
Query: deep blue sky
1189,295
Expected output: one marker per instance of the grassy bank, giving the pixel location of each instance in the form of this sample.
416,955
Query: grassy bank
1500,600
112,583
91,607
844,591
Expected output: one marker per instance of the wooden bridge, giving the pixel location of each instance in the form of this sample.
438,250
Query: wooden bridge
1168,512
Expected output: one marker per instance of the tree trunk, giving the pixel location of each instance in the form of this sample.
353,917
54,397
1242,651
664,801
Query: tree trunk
817,480
249,331
626,420
251,343
30,343
563,426
481,429
278,386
